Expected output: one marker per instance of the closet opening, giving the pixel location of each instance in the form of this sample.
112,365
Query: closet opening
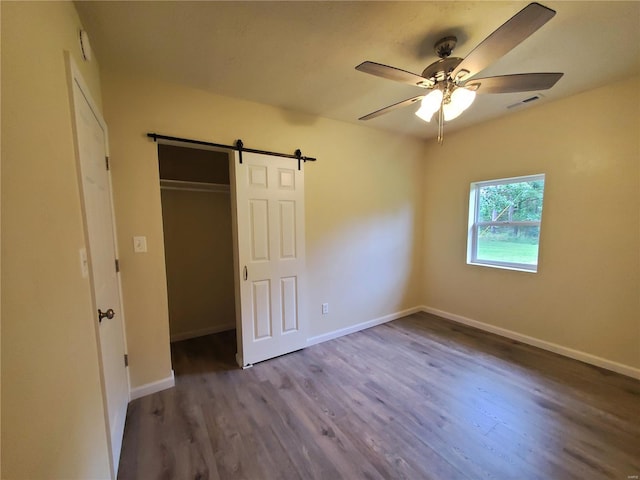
197,226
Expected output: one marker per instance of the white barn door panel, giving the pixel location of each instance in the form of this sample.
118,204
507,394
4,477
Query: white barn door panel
271,256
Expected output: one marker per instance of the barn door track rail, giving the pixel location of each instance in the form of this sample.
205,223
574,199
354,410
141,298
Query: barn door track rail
238,146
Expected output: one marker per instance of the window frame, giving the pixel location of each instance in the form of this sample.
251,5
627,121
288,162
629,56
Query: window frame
474,224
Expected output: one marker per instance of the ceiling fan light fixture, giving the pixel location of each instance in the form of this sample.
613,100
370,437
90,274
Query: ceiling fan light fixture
450,112
463,97
460,100
430,105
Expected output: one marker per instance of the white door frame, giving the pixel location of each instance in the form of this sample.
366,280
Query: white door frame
74,76
234,224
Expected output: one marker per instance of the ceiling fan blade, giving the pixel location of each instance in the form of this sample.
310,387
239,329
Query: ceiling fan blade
504,39
522,82
392,73
384,110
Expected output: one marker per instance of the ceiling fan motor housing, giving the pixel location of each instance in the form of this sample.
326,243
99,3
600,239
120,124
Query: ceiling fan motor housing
439,71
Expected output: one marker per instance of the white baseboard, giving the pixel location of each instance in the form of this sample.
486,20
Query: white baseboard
202,332
552,347
153,387
361,326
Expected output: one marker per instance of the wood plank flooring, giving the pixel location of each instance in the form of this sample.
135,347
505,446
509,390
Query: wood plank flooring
417,398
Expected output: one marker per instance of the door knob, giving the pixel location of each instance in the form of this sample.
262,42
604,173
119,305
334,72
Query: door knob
108,314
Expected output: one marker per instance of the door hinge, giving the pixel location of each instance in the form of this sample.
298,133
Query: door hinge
106,161
117,265
126,360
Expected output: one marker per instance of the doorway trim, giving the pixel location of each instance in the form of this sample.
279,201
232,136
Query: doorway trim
212,147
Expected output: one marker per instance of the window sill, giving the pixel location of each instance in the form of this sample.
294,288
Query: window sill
505,267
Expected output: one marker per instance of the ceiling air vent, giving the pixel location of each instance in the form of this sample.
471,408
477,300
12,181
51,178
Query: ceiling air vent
537,96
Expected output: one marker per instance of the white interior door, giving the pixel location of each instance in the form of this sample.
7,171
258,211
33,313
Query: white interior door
269,196
96,191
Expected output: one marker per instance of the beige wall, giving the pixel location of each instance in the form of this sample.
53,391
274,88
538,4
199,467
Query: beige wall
199,259
365,230
52,412
586,294
363,224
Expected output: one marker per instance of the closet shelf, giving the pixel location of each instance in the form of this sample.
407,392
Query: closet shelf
193,186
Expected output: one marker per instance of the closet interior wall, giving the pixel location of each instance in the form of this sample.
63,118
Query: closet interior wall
196,214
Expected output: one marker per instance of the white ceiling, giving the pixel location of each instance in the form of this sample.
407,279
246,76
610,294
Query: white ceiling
301,55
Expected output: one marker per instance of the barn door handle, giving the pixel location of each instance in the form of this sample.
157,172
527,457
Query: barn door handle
246,273
108,314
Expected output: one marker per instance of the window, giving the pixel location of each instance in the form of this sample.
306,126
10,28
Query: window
504,222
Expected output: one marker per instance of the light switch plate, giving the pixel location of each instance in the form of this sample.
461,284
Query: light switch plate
140,244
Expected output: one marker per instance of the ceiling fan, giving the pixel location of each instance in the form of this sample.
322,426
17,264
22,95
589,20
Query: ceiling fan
452,80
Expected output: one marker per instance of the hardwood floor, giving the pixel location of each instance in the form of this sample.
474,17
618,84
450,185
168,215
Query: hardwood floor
417,398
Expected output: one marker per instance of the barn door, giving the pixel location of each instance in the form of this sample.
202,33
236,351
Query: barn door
270,261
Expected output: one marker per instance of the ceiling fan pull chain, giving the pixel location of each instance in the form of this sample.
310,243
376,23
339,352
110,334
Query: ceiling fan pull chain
441,124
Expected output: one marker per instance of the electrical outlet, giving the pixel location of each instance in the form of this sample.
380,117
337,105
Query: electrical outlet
325,308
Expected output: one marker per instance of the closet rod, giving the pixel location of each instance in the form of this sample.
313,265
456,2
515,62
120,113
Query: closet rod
190,186
239,146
